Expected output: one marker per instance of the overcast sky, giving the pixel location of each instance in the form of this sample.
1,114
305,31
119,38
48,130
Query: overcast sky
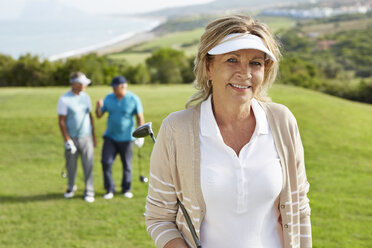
10,9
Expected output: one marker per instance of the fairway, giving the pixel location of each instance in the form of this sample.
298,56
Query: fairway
336,133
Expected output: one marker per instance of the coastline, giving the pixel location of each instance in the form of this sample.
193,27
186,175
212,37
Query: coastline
126,43
115,45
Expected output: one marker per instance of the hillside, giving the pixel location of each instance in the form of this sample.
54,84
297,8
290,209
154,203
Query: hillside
336,135
183,34
222,6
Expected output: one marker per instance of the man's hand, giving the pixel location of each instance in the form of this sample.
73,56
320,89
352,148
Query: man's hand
139,142
99,103
70,146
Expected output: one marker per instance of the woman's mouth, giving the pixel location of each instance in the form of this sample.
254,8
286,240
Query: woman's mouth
238,86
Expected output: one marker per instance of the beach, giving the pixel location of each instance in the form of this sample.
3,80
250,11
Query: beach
110,47
126,43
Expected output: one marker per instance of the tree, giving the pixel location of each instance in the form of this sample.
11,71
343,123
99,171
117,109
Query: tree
166,66
95,67
294,41
6,63
28,71
137,74
296,71
365,91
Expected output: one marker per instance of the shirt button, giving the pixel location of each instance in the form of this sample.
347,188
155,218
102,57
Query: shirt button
285,226
282,206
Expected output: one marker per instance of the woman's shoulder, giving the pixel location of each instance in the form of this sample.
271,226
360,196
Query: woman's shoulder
182,118
180,124
278,111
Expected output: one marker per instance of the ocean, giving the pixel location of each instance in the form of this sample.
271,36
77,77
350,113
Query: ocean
54,39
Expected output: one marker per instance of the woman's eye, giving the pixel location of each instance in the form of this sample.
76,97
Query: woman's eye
255,63
232,60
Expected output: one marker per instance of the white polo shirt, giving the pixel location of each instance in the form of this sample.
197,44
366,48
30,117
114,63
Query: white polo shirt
241,193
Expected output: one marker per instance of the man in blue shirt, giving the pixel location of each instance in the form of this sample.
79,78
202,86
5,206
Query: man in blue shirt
76,124
121,105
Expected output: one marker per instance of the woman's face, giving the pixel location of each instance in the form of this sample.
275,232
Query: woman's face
237,75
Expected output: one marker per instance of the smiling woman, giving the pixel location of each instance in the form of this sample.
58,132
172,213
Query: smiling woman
234,160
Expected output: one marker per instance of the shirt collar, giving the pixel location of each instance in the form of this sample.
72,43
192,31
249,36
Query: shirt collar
262,126
73,94
208,124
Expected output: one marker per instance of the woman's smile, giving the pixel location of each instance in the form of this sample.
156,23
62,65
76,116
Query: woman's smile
239,86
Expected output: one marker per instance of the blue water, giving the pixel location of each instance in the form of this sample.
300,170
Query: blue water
46,38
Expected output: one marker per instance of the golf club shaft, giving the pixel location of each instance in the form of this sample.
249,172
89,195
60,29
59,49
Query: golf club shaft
139,156
63,171
189,223
183,209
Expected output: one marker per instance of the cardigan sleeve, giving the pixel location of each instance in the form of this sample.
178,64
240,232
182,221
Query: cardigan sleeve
161,201
303,188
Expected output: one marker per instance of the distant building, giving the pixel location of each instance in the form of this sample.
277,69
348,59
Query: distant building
317,12
326,44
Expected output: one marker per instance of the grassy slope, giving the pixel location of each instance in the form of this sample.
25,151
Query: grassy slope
336,135
176,40
138,54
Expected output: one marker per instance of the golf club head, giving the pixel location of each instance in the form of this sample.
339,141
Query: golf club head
143,179
143,130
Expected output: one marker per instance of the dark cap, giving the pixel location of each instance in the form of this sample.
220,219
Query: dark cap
118,80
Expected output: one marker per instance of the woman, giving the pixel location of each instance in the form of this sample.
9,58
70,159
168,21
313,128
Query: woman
233,159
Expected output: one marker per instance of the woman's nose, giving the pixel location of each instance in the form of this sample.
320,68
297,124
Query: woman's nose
245,71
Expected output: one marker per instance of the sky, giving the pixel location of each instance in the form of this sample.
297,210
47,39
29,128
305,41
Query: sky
11,9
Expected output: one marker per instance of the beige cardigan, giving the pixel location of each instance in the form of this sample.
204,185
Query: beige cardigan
175,173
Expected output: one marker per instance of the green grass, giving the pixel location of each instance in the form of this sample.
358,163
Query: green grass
133,59
138,54
277,23
173,40
337,137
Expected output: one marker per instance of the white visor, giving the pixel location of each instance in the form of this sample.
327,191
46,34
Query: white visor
82,79
237,41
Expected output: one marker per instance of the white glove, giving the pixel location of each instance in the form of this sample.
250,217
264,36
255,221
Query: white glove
70,146
139,142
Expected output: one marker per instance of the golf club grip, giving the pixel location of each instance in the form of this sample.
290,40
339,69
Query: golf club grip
189,223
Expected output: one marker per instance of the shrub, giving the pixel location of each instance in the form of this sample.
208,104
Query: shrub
365,91
166,66
137,74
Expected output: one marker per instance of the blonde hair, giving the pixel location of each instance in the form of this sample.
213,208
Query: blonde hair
214,33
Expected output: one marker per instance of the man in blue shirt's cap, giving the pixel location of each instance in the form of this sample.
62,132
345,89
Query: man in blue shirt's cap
121,105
